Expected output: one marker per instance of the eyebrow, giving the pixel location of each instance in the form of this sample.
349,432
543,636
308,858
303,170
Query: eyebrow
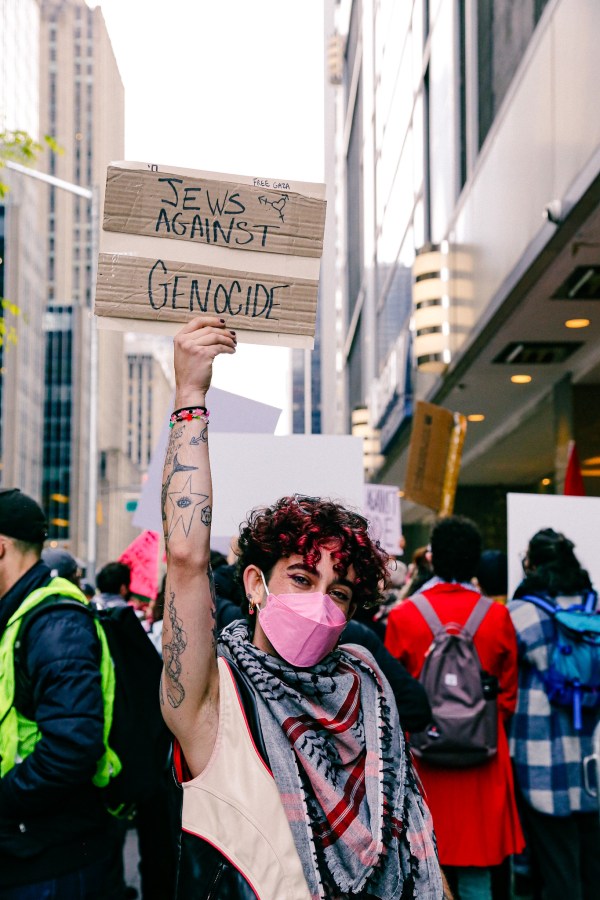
312,571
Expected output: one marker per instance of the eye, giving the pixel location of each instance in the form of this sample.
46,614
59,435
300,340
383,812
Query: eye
301,580
340,596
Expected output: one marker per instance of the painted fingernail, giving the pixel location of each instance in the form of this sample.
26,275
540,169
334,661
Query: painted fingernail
222,321
232,332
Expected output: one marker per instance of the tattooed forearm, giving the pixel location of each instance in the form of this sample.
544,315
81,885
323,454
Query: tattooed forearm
172,653
201,439
177,467
161,698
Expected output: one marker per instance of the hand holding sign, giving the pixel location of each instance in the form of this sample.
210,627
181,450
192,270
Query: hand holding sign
196,347
170,250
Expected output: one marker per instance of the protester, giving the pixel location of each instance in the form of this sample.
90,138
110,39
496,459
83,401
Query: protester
62,564
411,699
337,813
560,819
492,575
56,838
113,582
391,595
473,808
154,616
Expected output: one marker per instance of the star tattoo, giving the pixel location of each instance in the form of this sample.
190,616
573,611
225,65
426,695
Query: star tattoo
184,504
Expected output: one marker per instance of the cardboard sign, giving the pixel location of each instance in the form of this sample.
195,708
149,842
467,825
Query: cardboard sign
434,455
382,509
176,243
142,558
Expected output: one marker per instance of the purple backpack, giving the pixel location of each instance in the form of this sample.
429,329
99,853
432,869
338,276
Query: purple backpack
464,727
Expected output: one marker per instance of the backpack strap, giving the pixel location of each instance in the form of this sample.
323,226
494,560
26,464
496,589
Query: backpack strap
542,603
428,612
478,614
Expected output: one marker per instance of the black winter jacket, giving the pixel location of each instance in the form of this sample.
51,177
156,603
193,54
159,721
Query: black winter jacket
52,818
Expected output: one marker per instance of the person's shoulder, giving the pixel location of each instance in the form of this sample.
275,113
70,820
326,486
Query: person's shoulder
66,631
405,612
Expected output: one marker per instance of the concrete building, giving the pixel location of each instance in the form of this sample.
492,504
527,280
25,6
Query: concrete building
135,404
82,103
467,169
22,275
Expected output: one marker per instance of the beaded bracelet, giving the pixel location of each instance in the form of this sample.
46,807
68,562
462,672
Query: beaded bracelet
187,413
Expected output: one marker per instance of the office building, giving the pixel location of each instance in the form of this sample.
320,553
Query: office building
22,275
467,171
82,106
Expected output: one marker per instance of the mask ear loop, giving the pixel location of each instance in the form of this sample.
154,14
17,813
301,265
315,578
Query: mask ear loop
251,606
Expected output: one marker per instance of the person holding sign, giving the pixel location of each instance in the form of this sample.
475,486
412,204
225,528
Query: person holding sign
294,777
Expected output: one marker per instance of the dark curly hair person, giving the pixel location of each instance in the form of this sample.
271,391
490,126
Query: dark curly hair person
455,548
551,567
289,748
305,526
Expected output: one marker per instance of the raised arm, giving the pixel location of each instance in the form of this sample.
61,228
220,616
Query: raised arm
190,687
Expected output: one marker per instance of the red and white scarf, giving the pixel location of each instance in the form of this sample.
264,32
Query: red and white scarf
337,754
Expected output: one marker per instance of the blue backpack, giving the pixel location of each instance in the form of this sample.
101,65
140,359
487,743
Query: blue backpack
573,676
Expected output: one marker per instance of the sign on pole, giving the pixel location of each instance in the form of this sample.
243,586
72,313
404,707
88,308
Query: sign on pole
434,456
178,243
382,509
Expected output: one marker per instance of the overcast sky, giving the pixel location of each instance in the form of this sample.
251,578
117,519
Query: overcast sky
232,86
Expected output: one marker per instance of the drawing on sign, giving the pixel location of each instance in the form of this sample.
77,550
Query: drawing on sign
277,205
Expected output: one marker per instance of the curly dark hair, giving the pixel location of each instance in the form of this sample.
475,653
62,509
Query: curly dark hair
552,567
455,548
305,525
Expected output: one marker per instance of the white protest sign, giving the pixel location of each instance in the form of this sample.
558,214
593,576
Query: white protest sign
382,508
178,243
578,518
250,470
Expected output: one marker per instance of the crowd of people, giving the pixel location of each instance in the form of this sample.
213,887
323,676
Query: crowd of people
344,725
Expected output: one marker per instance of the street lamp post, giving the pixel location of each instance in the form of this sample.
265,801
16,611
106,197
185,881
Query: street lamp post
90,194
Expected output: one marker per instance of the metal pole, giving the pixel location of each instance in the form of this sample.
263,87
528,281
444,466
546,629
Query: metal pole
93,399
50,179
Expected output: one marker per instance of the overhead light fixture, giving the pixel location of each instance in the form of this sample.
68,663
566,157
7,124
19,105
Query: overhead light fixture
577,323
590,473
520,379
592,461
546,481
475,417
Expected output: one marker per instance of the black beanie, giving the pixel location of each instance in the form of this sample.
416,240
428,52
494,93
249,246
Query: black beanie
21,517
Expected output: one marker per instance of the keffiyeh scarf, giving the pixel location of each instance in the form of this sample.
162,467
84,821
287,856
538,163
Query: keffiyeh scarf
337,754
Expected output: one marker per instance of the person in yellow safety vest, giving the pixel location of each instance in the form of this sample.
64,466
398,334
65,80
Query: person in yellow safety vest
56,837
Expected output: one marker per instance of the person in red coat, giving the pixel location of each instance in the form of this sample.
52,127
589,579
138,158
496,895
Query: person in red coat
474,811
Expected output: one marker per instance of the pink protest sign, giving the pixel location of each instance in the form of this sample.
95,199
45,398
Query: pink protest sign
142,558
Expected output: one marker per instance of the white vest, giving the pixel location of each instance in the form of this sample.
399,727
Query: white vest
234,805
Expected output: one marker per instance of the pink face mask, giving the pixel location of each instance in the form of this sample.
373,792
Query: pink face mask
303,627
